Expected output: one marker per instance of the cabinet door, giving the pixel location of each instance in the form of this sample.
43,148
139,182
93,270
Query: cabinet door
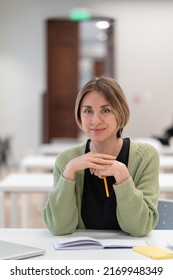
62,79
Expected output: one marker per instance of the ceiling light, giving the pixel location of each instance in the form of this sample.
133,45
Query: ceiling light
103,24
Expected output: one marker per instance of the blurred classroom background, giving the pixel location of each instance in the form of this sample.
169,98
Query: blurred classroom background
48,50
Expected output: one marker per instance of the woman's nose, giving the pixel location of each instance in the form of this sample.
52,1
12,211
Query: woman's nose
96,118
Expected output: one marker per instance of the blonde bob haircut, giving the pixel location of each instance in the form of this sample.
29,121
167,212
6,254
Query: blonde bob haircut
113,93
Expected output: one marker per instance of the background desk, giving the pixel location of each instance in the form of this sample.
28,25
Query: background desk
43,239
166,163
167,150
63,144
23,183
42,183
166,182
47,162
38,163
162,149
56,148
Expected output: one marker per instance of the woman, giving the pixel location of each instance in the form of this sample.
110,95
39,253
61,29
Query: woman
78,199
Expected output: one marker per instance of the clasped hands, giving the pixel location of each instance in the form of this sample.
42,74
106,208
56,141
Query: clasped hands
99,165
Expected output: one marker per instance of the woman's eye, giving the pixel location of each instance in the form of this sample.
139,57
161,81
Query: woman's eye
87,111
106,111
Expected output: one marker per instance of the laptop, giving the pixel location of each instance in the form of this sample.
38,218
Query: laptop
15,251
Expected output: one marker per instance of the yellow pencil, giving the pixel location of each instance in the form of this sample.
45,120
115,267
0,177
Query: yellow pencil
106,186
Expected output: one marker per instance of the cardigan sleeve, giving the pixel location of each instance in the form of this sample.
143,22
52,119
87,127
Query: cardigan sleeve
137,198
60,213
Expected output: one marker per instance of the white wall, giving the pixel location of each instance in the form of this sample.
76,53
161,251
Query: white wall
143,63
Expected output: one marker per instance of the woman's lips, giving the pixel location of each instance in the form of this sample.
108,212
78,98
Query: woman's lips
97,130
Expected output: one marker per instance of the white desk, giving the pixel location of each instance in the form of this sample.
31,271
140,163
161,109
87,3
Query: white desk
42,183
166,163
46,163
56,148
24,183
43,239
162,149
167,150
166,185
166,182
38,163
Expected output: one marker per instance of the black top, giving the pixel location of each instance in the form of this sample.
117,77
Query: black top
99,211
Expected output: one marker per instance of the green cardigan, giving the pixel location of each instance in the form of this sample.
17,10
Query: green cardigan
137,197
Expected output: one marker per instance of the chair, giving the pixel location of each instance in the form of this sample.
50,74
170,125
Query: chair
165,208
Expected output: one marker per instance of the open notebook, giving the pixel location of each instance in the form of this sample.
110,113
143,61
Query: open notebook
85,242
15,251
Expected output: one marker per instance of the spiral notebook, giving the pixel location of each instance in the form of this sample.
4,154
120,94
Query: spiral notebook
15,251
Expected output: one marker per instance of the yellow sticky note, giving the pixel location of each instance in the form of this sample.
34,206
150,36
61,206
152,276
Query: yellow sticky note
153,252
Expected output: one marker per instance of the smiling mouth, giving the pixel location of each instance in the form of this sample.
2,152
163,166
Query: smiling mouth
97,129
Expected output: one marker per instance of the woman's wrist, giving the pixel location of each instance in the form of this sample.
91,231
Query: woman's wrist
69,173
122,174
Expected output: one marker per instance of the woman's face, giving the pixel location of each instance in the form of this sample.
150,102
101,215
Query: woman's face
98,120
